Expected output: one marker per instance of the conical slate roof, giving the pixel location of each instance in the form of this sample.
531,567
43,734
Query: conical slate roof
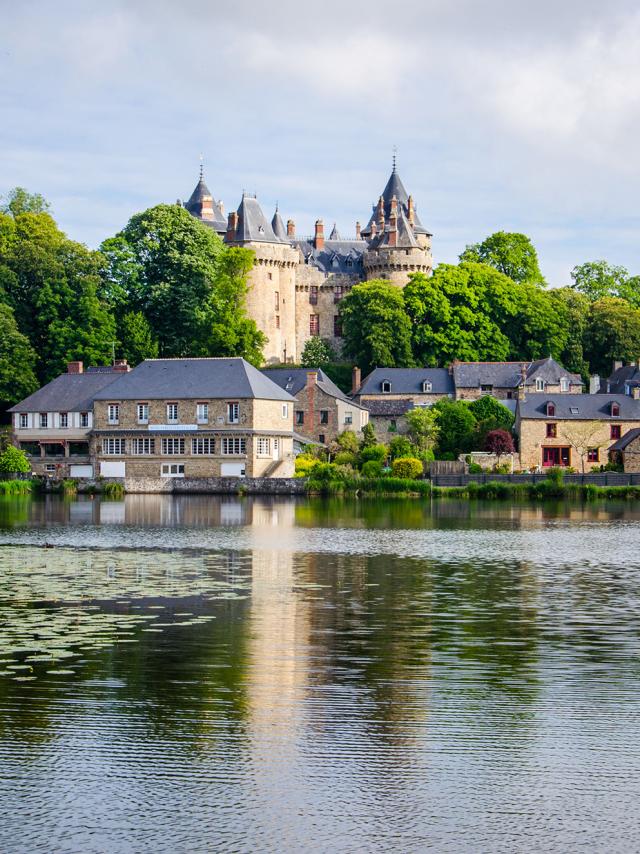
253,226
195,204
395,187
278,226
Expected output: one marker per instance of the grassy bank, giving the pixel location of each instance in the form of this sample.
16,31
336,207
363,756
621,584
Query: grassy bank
16,487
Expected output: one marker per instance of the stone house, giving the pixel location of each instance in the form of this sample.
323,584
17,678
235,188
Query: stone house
624,379
576,430
53,425
504,380
193,418
297,283
322,410
627,451
389,393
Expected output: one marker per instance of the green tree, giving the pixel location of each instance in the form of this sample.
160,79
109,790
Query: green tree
510,253
317,353
17,361
13,460
20,201
572,311
598,279
375,326
368,437
400,446
190,287
136,341
612,332
422,427
52,284
457,427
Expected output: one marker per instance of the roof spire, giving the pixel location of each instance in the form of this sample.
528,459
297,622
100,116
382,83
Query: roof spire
395,154
201,166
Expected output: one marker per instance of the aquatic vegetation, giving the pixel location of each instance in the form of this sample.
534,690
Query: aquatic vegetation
16,487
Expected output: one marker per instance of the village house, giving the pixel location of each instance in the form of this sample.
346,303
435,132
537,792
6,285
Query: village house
503,380
624,379
389,393
322,410
53,425
193,418
626,451
572,430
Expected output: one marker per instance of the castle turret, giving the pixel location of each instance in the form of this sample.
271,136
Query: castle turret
204,207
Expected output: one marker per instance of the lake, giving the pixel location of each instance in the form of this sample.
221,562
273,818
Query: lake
197,674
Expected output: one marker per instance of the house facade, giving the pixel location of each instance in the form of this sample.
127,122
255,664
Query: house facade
572,430
504,380
322,410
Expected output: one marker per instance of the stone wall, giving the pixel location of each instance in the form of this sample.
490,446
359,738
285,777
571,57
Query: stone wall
326,308
216,485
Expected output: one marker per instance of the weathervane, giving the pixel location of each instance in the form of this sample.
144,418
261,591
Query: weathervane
395,152
201,165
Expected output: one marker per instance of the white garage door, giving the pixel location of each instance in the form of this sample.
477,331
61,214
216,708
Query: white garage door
112,469
232,469
80,471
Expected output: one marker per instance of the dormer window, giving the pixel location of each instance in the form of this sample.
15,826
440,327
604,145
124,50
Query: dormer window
385,386
539,385
551,410
615,410
564,384
427,386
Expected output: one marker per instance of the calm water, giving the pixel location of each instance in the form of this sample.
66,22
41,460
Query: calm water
203,674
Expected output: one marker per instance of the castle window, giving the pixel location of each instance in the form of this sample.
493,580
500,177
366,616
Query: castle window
277,300
313,294
314,324
337,326
385,386
270,276
277,321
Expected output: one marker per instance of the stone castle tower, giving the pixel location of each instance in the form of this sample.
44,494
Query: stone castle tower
297,283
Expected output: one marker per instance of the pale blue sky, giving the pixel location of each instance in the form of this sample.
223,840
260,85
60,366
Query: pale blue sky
506,115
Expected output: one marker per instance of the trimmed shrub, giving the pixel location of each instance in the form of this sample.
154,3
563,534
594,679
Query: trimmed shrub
373,452
305,463
14,460
407,467
372,468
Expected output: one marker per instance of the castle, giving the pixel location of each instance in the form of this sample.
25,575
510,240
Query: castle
297,282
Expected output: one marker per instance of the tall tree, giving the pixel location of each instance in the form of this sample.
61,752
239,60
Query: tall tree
612,332
375,326
510,253
457,427
20,201
190,288
598,279
17,361
317,353
572,310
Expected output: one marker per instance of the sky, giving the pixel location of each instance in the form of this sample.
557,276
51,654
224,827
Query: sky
506,115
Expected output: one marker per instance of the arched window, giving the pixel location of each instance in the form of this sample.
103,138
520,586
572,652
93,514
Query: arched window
385,385
615,410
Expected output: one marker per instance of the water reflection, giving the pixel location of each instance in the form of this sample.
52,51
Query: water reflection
336,676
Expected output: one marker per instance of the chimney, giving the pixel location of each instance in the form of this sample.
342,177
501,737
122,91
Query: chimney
75,368
318,240
356,380
232,226
312,378
522,391
411,211
594,384
374,229
380,214
358,231
291,228
206,208
394,206
635,392
393,223
617,365
221,206
121,365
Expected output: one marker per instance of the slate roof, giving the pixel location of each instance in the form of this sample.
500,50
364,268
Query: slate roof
194,206
387,408
626,375
626,440
68,392
580,407
294,380
186,379
335,235
395,187
252,223
407,381
338,256
278,227
509,374
405,238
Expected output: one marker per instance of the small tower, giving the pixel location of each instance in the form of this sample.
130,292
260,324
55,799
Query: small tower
204,207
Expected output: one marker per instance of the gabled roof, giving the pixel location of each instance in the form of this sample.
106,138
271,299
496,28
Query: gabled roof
187,379
407,381
580,407
294,380
509,374
626,440
194,206
68,392
551,372
337,256
278,227
626,375
252,223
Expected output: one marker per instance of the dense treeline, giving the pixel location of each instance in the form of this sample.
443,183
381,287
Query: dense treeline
166,285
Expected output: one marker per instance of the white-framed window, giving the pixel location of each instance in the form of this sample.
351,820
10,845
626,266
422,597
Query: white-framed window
173,447
112,447
264,446
84,419
143,447
427,386
44,419
285,410
172,413
24,419
143,413
202,413
564,384
64,419
113,413
172,470
233,412
385,386
539,385
203,445
348,417
233,446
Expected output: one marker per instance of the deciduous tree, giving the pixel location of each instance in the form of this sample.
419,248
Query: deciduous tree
510,253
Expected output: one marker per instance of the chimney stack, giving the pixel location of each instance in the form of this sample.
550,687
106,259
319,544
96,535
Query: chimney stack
312,378
635,392
394,206
121,365
411,211
374,229
318,240
617,365
75,368
206,208
221,206
358,231
523,379
291,228
594,384
380,214
356,380
232,226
